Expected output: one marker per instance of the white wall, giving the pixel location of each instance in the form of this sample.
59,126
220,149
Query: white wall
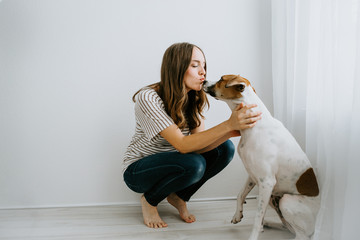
68,70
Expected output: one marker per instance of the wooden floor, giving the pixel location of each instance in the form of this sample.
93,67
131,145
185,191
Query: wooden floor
125,222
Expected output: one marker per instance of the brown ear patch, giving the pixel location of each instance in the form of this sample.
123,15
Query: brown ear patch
307,184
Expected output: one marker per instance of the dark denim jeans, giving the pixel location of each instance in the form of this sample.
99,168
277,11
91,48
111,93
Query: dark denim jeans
159,175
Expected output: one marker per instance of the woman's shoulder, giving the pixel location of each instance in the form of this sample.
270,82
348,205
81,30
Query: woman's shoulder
147,94
147,91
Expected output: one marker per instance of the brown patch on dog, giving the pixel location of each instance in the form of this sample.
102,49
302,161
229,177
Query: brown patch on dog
230,86
307,184
226,92
232,80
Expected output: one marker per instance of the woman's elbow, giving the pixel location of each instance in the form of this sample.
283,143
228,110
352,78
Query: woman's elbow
183,149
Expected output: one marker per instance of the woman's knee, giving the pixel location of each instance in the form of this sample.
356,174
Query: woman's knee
227,149
196,166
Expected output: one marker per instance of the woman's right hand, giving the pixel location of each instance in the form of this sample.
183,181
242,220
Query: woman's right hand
242,118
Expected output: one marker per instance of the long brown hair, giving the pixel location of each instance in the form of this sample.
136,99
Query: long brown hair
185,108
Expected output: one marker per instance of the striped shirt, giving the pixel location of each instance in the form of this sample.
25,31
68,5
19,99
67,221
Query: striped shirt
151,119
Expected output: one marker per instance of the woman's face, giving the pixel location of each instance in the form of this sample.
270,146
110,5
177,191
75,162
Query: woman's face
195,74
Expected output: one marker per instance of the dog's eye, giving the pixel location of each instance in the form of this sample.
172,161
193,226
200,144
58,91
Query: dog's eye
240,87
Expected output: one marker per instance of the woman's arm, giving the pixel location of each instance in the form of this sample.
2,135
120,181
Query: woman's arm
200,141
234,133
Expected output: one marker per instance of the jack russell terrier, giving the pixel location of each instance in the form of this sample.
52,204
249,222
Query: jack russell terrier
274,161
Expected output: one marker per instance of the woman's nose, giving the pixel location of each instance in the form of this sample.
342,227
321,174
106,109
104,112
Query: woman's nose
202,71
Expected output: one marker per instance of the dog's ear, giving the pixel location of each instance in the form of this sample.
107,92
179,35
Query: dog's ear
231,80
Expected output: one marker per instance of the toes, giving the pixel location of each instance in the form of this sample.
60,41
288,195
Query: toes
161,225
190,219
156,225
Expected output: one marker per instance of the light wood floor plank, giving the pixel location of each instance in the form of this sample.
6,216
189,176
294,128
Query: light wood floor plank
125,222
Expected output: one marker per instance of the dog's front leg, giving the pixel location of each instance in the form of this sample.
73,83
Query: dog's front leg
266,186
250,184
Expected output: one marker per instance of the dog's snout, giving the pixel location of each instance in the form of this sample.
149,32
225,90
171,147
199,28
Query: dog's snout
212,93
206,86
209,89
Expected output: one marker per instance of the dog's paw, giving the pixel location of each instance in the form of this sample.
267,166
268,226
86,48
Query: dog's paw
237,217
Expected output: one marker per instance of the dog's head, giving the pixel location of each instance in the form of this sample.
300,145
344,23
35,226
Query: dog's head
228,87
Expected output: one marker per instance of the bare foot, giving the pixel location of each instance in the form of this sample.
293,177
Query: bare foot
151,215
180,205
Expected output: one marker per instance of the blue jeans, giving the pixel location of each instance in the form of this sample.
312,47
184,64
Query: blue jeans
159,175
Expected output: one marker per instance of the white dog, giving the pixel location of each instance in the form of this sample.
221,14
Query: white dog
274,161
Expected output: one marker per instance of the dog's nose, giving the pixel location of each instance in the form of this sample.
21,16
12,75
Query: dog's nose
209,89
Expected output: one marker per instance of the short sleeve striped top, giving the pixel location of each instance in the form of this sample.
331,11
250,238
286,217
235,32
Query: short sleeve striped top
151,119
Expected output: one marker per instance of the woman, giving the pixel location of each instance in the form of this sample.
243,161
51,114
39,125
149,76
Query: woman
171,155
